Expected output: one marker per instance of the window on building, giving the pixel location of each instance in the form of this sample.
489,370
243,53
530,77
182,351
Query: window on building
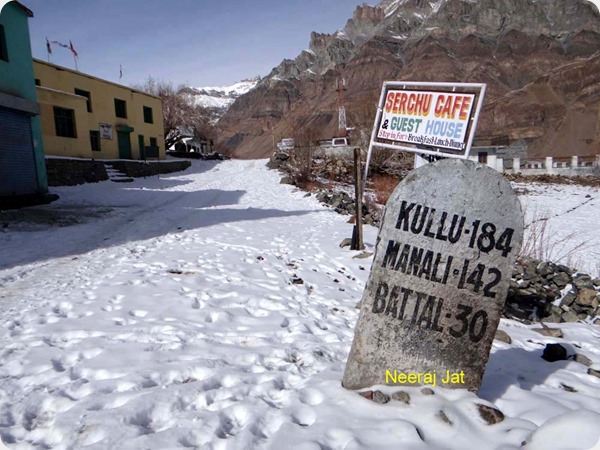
482,158
37,82
3,49
148,115
95,140
87,95
64,122
120,108
153,142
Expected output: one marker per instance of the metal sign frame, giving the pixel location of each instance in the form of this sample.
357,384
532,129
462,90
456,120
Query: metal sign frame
476,89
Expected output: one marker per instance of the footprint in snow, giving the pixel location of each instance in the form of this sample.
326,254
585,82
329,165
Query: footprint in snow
198,304
268,424
233,420
311,397
304,416
117,299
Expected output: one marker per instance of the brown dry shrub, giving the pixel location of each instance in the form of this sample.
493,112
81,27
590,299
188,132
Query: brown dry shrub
593,181
541,243
383,186
311,185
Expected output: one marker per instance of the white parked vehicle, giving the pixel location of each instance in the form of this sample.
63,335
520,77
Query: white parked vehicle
336,146
286,144
340,142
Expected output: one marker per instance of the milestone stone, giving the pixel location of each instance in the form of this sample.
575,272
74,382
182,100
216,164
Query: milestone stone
441,270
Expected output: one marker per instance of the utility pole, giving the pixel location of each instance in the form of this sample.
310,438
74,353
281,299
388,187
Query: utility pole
340,87
272,133
357,231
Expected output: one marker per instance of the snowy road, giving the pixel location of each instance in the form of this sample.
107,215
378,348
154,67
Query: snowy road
214,309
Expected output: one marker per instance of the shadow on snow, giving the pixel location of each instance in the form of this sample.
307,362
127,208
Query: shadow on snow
122,213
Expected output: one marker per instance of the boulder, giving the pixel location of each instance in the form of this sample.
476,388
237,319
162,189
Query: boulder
491,415
587,297
554,352
503,336
552,332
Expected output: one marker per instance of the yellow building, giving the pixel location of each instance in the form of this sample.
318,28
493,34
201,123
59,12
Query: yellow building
87,117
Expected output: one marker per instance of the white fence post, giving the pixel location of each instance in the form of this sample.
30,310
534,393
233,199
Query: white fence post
574,162
500,165
516,165
549,164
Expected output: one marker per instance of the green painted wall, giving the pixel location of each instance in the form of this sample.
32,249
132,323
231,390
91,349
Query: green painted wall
16,76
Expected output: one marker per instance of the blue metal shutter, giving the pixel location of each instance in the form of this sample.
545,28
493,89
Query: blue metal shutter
17,161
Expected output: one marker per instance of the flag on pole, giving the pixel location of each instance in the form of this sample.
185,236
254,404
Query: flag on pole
60,44
73,50
48,48
120,72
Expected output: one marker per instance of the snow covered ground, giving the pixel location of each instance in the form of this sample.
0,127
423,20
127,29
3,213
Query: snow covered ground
214,309
571,234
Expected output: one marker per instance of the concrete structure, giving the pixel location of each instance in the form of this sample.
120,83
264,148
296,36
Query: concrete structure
87,117
569,167
498,157
194,145
439,279
22,167
513,159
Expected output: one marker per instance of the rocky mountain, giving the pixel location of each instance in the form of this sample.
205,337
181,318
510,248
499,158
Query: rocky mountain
539,59
217,99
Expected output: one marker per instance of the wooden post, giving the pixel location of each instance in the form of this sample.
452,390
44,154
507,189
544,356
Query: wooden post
357,232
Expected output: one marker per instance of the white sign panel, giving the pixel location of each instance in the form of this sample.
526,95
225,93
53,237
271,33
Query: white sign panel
428,118
437,119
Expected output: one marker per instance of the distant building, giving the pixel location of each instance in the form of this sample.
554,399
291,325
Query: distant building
87,117
192,142
22,167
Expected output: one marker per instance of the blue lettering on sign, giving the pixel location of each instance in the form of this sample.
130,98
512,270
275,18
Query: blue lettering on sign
444,129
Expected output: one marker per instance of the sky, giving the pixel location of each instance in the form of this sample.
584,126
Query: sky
191,42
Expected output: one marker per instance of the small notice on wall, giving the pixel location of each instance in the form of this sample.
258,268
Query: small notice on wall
106,131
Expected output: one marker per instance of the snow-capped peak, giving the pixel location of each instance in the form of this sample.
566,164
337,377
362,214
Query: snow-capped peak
220,98
234,90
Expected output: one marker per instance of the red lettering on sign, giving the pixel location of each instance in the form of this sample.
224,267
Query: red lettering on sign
389,102
466,104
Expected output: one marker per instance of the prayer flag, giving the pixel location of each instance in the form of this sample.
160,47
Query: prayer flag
73,50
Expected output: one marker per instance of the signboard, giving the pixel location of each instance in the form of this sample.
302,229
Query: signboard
437,119
106,131
438,284
428,118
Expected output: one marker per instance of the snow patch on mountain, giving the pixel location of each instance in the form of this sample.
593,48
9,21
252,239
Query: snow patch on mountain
222,96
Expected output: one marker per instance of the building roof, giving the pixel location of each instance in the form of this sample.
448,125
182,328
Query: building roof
24,8
66,69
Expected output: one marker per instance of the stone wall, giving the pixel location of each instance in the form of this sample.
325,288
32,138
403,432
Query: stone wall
137,169
552,293
70,172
